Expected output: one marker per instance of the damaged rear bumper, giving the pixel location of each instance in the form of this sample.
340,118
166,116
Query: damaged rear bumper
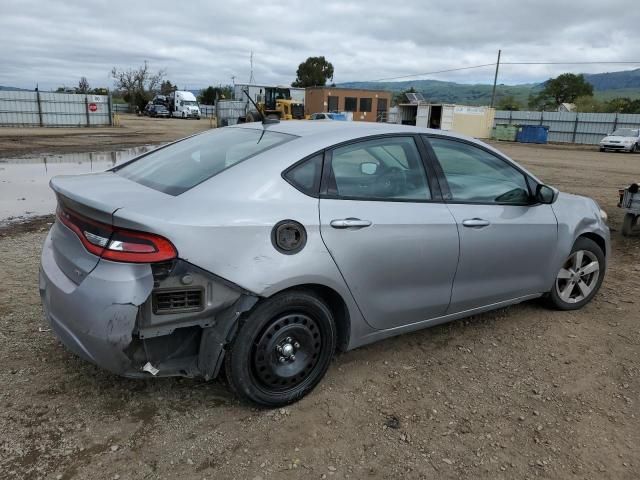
112,317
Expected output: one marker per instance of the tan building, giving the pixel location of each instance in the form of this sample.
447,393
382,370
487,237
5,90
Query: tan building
364,105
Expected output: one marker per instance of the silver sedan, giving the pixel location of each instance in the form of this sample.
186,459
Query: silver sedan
264,249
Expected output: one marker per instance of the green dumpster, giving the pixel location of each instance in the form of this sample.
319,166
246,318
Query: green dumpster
505,132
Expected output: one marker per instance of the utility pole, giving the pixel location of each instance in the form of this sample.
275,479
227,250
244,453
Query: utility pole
495,80
251,79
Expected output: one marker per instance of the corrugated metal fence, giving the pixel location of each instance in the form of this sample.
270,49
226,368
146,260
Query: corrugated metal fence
571,127
46,109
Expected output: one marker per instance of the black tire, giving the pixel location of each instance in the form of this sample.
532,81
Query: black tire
256,367
628,224
253,117
595,254
602,149
634,147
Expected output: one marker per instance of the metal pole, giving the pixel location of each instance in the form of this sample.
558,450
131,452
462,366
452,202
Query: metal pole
575,129
109,100
495,80
39,107
86,108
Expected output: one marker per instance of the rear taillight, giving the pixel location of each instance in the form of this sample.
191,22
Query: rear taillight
117,244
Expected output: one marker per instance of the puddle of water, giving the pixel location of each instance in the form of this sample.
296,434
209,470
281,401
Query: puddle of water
24,181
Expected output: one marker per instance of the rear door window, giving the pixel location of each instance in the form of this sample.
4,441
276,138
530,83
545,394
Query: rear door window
381,169
183,165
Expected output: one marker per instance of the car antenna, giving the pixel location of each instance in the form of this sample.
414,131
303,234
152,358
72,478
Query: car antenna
265,120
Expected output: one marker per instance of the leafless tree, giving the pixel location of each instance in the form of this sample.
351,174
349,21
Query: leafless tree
83,85
138,84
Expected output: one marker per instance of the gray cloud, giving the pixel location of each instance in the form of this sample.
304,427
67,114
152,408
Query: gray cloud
203,43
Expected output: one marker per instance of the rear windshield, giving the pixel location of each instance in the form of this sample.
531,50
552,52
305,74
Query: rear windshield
183,165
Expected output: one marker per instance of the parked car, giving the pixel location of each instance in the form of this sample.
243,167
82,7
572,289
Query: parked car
263,249
328,116
623,139
156,110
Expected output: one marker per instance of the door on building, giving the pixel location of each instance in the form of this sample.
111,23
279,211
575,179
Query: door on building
332,104
381,114
446,119
435,116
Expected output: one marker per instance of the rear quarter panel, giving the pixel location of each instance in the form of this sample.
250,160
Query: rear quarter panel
224,226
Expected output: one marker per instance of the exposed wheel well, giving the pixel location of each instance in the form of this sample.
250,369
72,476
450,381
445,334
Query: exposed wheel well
598,239
338,307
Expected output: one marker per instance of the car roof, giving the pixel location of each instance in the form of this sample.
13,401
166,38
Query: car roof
344,130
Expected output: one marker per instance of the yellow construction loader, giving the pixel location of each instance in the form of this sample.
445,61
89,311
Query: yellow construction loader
276,104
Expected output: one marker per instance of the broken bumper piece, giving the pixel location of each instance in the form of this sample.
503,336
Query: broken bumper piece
122,317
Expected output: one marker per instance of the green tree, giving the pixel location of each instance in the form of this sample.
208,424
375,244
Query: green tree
540,101
622,105
508,103
210,95
166,87
566,88
313,72
588,103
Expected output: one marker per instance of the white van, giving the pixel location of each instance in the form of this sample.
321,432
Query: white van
183,104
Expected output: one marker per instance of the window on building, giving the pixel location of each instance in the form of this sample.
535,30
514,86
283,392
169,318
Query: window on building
332,104
350,104
365,104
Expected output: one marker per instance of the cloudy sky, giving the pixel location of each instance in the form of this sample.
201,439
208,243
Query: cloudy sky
202,43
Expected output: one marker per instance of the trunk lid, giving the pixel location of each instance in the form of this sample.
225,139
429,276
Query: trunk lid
95,197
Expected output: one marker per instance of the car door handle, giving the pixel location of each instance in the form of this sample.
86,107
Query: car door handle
350,223
476,223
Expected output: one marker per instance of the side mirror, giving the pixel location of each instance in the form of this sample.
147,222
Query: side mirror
546,194
368,168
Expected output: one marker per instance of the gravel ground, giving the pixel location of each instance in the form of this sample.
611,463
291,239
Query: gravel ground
521,392
133,131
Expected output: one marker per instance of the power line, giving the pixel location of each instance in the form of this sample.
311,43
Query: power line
433,73
501,63
570,63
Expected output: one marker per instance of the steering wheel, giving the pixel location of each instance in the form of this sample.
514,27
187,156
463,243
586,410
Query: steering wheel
390,182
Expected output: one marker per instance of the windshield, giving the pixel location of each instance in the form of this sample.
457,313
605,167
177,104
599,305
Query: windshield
183,165
625,132
189,102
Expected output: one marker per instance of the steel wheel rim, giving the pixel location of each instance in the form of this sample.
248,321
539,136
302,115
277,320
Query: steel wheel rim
286,352
578,277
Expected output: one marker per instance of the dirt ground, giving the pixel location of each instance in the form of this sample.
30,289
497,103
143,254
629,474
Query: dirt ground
522,392
132,131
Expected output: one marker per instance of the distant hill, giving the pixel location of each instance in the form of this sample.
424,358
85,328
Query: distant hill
13,89
614,80
451,92
606,85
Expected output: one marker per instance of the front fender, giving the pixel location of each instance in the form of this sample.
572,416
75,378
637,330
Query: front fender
577,216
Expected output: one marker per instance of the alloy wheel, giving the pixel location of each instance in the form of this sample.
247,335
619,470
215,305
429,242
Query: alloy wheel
578,277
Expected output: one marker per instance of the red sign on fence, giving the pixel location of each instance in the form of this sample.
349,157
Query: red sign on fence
93,107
